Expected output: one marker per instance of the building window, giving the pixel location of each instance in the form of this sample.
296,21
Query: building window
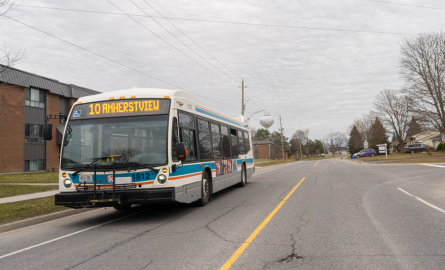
34,98
33,133
34,165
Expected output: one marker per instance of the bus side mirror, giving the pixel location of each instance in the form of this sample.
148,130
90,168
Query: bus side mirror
181,152
48,132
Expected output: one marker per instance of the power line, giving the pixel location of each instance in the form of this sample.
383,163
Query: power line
400,4
231,22
178,38
114,61
166,41
192,40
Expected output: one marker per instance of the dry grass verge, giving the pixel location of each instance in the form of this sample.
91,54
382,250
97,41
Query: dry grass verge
397,156
272,162
41,177
10,212
15,190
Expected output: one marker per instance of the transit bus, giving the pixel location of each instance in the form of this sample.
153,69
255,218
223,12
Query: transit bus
141,146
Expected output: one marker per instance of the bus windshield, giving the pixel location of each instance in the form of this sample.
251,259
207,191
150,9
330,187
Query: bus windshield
141,139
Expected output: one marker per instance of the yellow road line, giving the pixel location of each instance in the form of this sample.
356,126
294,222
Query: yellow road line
249,240
316,163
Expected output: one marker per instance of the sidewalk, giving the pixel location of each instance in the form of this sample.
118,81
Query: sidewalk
28,196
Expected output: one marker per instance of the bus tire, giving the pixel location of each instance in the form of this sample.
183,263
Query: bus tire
205,190
243,182
121,207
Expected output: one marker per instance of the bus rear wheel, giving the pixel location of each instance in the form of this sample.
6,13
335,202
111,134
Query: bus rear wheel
243,182
205,190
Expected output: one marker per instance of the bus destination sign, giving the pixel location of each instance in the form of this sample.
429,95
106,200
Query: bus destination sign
116,108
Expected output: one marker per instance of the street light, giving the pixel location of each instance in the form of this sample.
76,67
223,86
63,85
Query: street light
248,118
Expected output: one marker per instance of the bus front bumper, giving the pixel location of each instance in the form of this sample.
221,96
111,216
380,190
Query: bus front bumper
86,199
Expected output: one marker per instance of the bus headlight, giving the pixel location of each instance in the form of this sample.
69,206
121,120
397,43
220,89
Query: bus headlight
67,183
162,179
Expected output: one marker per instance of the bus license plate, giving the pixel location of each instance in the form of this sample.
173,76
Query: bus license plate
85,178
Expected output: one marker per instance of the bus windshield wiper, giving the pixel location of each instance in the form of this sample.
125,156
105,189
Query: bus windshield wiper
145,166
94,161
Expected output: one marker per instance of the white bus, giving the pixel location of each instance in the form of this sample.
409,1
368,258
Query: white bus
140,146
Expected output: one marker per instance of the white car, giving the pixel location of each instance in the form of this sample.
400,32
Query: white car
323,155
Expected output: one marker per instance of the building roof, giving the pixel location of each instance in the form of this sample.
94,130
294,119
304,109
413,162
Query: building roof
263,142
26,79
394,143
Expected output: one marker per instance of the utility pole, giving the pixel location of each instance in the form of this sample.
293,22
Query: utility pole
242,99
282,143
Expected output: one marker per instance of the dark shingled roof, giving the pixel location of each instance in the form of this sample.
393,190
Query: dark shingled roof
22,78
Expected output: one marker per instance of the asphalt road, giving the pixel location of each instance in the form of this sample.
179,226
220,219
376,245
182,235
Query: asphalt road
343,215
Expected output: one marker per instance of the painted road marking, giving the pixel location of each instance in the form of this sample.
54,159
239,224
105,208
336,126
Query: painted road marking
406,192
432,165
249,240
68,235
430,205
425,202
255,174
316,163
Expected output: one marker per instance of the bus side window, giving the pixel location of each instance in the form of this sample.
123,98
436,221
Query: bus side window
241,143
205,145
216,141
234,140
175,139
246,142
225,142
188,134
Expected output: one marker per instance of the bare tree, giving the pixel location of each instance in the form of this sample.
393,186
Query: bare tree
422,66
336,140
8,56
394,110
363,125
301,136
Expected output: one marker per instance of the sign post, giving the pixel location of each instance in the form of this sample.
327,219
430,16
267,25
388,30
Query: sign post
365,145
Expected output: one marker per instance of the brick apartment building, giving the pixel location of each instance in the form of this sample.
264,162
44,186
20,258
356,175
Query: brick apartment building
25,101
261,149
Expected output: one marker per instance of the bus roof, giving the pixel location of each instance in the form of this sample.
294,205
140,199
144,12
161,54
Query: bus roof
142,93
136,92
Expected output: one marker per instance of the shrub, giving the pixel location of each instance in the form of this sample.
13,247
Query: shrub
439,147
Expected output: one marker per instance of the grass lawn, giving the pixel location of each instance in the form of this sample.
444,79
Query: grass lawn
272,162
14,190
10,212
40,177
415,158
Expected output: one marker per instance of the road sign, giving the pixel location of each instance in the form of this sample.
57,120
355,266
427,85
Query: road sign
382,148
366,145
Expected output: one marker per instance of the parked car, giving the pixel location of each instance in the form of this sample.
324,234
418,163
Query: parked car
365,153
322,154
415,148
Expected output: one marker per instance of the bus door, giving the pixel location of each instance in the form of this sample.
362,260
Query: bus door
218,181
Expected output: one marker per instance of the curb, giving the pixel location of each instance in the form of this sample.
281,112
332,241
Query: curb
40,219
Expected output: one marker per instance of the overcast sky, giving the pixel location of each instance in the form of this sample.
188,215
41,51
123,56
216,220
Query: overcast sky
315,79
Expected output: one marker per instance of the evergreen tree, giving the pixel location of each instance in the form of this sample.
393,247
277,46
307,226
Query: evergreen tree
378,134
393,139
262,134
355,143
413,128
